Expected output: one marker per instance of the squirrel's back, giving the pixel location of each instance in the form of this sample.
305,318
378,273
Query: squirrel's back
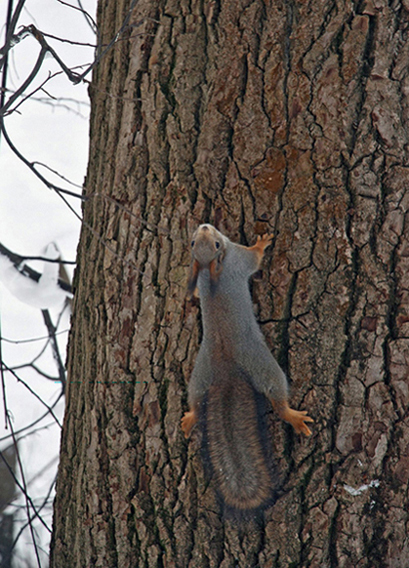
236,443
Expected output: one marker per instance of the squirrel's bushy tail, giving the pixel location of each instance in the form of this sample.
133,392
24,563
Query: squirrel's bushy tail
237,444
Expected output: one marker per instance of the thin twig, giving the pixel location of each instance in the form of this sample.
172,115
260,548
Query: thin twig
57,174
33,339
151,227
112,42
58,190
36,421
23,528
11,22
38,397
45,375
54,346
30,95
28,500
27,82
71,42
88,17
3,382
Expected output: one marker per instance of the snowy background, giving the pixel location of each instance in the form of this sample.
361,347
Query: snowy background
51,127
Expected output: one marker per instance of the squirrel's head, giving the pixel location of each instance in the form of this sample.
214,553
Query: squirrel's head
207,245
208,250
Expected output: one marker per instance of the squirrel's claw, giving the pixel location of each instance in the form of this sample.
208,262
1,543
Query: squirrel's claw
188,421
265,239
262,243
297,418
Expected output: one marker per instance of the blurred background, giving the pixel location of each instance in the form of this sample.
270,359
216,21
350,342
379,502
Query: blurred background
44,143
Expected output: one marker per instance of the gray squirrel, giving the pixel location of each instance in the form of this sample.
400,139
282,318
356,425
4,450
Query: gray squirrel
235,375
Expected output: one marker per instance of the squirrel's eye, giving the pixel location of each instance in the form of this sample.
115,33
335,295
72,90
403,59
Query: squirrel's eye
192,243
217,244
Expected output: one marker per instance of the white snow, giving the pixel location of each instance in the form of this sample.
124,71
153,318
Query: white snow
44,294
362,488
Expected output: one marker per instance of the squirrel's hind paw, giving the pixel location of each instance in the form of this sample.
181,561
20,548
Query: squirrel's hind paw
298,419
188,421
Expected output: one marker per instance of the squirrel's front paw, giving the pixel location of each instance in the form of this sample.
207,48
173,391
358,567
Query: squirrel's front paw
298,419
265,239
187,422
262,243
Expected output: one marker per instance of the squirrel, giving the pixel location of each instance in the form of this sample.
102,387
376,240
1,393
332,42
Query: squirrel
235,378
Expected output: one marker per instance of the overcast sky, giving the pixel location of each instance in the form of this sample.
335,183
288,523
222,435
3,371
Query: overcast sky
54,132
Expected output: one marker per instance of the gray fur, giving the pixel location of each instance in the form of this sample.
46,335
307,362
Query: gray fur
230,327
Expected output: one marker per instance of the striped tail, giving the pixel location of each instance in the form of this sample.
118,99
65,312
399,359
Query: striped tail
237,444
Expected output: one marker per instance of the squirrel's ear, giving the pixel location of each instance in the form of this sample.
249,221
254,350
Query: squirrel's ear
193,276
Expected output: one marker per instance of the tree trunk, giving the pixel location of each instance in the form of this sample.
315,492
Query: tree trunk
288,117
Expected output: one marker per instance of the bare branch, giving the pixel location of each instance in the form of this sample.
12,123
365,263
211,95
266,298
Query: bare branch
90,20
45,375
27,82
58,190
71,42
23,488
57,174
33,339
3,383
29,95
36,421
88,17
54,345
20,380
73,77
11,24
22,529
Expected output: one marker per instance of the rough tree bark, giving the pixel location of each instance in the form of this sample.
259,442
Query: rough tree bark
290,117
